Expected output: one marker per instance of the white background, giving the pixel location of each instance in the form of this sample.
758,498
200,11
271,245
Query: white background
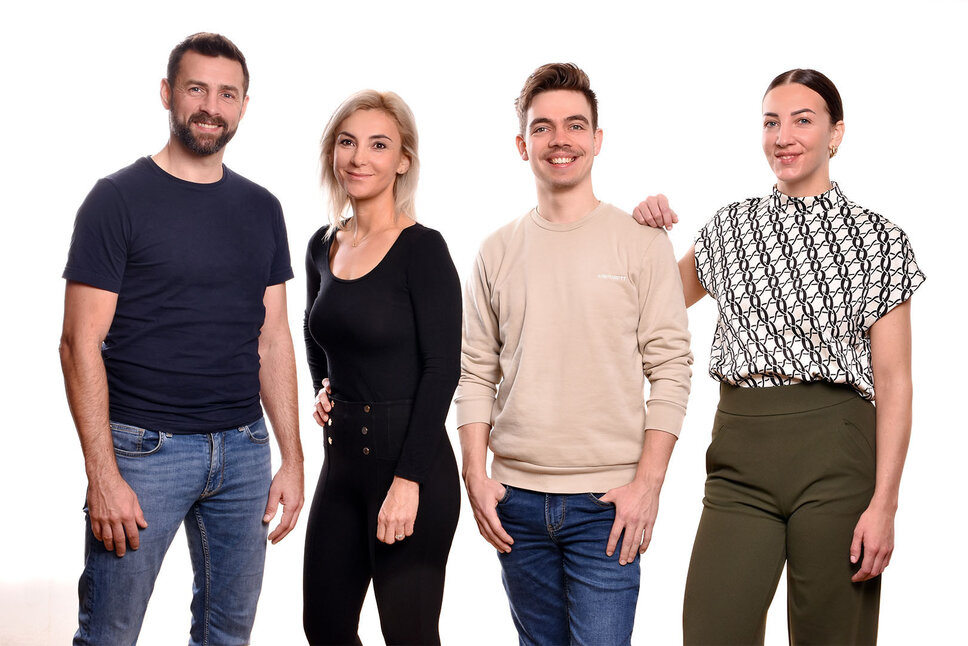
679,87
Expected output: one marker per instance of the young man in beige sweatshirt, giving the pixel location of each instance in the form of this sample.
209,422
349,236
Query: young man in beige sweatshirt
568,310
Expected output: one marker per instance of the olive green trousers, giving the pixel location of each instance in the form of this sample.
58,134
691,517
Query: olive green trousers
789,472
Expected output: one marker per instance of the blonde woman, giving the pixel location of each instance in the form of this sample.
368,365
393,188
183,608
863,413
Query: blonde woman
382,330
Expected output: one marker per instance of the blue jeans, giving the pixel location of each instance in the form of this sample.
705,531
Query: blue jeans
218,484
562,587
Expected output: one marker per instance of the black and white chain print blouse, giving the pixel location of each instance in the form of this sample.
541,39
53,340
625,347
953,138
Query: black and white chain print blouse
799,281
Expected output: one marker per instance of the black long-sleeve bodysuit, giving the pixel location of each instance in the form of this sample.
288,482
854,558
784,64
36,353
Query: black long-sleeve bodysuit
389,342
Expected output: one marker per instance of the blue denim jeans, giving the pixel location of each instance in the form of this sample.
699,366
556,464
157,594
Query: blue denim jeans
562,587
218,484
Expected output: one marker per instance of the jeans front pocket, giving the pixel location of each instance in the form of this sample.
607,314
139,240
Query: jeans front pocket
257,431
135,442
507,495
597,499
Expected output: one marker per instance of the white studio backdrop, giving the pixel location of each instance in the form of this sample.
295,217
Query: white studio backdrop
679,87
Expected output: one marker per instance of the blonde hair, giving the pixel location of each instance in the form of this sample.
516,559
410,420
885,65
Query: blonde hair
405,185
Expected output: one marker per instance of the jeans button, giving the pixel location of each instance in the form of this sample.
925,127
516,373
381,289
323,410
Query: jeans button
365,430
366,408
366,450
330,439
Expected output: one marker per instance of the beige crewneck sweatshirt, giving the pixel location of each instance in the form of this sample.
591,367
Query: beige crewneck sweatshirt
569,320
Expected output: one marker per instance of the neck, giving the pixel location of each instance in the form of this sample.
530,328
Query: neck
177,160
807,187
564,205
374,214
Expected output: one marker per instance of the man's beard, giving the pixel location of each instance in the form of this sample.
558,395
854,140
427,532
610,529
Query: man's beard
206,146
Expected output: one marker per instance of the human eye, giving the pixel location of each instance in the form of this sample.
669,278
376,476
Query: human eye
346,142
379,145
770,123
539,129
194,89
577,126
803,121
228,96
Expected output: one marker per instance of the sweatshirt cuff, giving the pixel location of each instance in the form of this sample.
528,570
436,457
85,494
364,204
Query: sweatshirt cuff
476,410
664,416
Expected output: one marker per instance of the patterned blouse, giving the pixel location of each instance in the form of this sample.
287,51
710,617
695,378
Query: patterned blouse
799,281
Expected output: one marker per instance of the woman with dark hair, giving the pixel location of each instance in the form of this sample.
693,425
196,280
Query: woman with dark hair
383,335
813,293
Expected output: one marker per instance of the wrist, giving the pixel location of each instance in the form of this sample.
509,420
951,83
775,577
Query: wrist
399,481
292,463
649,480
883,502
474,475
101,471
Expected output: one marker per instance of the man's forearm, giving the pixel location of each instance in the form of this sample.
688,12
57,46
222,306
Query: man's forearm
656,451
277,382
473,445
87,395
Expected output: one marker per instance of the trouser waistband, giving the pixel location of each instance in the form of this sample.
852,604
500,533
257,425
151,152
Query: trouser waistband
777,400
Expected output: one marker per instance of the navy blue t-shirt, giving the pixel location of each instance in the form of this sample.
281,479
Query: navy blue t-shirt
190,264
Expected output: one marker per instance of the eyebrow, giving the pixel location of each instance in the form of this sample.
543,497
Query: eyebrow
792,114
206,85
351,135
574,117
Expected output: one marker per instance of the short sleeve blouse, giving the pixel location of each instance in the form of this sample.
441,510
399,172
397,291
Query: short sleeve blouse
799,281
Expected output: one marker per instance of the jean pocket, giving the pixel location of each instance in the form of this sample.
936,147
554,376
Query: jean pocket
507,495
135,442
597,499
257,431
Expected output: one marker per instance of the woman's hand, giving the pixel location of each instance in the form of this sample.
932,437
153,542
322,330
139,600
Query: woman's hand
399,511
323,405
654,212
874,539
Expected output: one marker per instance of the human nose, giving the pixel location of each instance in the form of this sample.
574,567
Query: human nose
210,103
784,136
359,157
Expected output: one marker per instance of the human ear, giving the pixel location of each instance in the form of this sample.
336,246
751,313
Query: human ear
837,134
165,94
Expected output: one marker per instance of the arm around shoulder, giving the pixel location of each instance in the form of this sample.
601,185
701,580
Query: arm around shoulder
692,289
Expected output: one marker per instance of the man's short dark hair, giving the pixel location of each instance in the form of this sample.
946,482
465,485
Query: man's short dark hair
555,76
207,44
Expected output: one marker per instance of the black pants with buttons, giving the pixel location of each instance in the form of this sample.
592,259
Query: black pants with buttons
342,553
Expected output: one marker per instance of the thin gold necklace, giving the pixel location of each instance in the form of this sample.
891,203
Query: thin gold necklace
356,243
356,229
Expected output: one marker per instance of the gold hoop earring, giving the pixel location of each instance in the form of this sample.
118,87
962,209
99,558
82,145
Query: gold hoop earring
833,151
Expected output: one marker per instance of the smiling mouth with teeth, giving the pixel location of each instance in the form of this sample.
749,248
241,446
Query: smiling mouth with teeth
562,160
208,123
